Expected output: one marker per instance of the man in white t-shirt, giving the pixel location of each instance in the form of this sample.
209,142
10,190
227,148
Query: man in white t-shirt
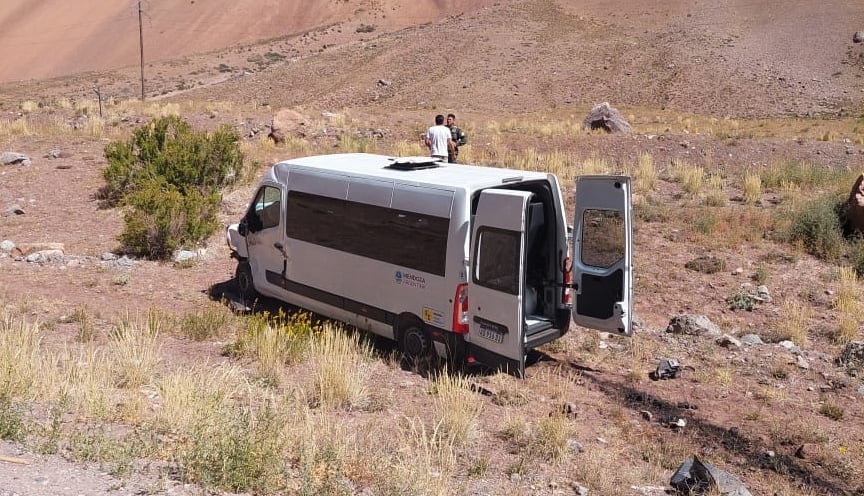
438,139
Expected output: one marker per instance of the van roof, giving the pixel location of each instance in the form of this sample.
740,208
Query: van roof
439,174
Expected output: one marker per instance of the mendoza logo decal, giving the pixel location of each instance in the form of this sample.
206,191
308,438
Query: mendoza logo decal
409,279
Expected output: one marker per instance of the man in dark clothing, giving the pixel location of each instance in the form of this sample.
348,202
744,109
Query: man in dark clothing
459,138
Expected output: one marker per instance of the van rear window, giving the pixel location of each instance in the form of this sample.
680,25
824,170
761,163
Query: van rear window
408,239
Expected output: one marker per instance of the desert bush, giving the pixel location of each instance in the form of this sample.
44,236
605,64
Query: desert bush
169,176
239,450
274,341
12,426
817,227
162,219
206,323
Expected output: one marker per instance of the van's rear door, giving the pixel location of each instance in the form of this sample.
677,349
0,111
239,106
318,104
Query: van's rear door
603,254
496,286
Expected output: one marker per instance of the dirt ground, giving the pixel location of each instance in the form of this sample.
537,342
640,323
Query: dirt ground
523,60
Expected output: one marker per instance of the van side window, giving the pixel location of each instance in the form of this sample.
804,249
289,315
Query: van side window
496,259
408,239
603,238
265,210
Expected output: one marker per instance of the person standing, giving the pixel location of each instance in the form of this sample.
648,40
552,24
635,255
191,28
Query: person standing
439,139
458,136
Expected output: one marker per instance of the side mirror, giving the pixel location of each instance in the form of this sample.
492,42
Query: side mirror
242,229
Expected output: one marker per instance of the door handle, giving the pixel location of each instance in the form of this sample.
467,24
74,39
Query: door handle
281,249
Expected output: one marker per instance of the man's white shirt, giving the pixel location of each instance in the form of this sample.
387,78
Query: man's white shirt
439,137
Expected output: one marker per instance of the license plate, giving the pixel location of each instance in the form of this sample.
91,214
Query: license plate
490,334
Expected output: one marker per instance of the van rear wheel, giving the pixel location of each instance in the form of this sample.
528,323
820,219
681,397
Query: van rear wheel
413,340
243,279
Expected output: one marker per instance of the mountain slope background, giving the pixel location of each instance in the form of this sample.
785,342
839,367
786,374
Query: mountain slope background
736,58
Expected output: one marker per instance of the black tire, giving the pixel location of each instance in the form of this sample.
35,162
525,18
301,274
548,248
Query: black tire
243,279
414,342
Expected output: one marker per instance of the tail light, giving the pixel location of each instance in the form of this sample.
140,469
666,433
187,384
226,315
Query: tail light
460,309
567,269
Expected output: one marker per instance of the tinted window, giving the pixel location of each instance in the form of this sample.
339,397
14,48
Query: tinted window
266,209
496,259
412,240
603,238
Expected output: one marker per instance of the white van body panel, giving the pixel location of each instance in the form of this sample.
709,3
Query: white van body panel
385,244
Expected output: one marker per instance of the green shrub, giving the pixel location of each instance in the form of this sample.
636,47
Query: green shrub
817,226
169,176
161,219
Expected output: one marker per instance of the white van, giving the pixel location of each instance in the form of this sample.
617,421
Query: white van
470,262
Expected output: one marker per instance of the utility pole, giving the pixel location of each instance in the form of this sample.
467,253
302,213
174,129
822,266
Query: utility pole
141,45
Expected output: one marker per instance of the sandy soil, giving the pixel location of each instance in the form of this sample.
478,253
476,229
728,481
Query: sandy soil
511,59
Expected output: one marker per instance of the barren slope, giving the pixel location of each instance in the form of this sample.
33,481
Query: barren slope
54,38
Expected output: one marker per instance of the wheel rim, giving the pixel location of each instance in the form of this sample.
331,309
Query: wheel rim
415,343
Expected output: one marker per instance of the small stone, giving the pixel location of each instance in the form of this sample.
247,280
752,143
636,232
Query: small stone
574,446
801,362
751,339
602,440
738,271
861,389
728,341
6,246
646,415
579,489
806,450
770,454
515,477
108,256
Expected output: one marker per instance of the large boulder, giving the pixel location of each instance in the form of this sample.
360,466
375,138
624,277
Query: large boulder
692,325
605,117
287,122
855,203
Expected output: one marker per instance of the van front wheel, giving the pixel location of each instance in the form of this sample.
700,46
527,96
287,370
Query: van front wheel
413,340
243,279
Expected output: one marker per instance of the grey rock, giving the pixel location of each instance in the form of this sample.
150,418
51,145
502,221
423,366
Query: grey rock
751,339
763,293
515,477
861,389
858,37
853,354
802,362
579,489
13,158
694,325
728,341
6,246
184,255
108,256
574,446
789,345
605,117
695,474
45,256
13,209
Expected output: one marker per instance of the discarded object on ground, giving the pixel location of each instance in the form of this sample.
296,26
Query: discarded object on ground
668,368
695,477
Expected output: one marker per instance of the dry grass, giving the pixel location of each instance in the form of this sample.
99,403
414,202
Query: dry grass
135,352
752,188
646,174
339,378
20,361
848,306
795,321
457,408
